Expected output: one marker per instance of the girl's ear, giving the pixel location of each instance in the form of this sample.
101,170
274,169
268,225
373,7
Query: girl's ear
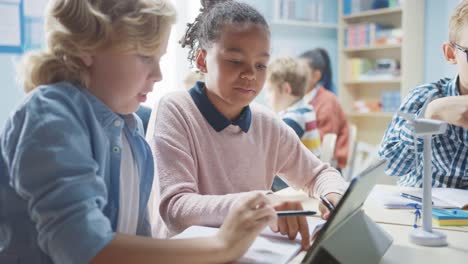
87,59
449,53
316,75
200,60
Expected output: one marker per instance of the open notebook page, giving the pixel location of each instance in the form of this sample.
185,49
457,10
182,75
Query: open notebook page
269,247
455,198
393,200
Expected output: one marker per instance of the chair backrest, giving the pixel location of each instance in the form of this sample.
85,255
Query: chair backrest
328,147
348,171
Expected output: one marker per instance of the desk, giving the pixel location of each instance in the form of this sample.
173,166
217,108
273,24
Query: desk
402,251
398,224
373,209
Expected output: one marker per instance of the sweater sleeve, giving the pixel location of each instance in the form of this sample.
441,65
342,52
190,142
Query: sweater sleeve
180,203
303,169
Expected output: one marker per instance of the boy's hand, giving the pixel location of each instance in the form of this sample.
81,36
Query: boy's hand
290,225
333,198
452,109
244,222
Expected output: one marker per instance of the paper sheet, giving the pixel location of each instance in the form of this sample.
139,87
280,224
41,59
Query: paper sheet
269,247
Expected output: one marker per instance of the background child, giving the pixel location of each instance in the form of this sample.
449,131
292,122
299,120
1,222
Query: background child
446,100
287,80
331,117
212,147
75,171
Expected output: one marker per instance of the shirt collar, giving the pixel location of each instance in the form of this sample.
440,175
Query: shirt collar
310,96
301,103
215,118
452,87
109,118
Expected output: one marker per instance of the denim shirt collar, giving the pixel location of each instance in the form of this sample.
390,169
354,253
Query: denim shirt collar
215,118
109,118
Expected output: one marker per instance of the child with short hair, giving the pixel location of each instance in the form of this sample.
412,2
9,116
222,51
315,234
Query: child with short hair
446,100
331,117
216,146
75,170
287,80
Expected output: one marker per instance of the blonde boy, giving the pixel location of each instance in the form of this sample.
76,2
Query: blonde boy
446,100
287,80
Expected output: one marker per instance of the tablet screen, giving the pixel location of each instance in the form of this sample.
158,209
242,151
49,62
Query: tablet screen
352,200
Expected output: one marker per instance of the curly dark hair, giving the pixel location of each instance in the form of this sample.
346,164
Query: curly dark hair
213,15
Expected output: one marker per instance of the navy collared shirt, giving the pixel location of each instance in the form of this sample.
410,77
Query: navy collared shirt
215,118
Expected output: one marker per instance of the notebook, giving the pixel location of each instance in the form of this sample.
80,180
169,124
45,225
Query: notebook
452,217
453,198
441,198
269,247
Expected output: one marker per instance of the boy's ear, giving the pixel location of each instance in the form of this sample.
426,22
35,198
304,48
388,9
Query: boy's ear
200,60
449,53
87,59
286,88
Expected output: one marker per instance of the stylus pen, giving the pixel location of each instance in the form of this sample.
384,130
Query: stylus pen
327,203
412,197
295,213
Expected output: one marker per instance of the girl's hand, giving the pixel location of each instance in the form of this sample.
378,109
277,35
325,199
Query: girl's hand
290,225
244,222
333,198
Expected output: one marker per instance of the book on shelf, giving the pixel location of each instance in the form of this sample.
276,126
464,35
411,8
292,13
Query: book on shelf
351,7
370,34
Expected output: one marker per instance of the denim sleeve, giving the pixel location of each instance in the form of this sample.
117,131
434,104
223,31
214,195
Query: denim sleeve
47,148
398,145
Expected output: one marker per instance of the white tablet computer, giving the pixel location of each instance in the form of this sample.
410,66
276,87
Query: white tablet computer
349,236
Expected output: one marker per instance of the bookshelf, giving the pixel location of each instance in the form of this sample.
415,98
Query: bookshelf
285,13
409,16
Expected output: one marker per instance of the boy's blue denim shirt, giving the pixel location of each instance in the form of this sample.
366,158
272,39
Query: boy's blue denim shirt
59,176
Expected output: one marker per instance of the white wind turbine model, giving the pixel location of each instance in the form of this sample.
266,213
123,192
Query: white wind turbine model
426,128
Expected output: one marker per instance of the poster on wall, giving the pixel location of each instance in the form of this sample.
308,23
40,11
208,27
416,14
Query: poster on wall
11,30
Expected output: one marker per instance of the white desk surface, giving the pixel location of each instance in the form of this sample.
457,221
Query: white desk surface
373,209
398,223
402,251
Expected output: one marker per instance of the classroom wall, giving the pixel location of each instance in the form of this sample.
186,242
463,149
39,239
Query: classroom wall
11,94
436,31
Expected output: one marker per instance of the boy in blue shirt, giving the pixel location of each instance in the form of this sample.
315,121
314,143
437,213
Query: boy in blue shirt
446,100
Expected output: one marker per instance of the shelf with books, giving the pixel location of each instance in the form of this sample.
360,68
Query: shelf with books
373,48
301,23
378,43
372,15
319,14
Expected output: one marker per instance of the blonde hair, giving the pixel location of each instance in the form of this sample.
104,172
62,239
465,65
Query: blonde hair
78,27
288,70
458,20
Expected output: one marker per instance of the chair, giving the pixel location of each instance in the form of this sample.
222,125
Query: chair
348,171
328,148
